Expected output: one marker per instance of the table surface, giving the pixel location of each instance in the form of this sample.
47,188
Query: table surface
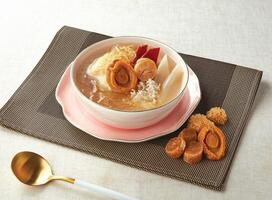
238,32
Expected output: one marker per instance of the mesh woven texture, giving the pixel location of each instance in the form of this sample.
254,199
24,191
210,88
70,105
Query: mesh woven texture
33,110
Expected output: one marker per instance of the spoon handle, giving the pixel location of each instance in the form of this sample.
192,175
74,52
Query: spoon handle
102,190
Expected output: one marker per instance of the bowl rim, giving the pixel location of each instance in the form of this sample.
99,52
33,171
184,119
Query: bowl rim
127,111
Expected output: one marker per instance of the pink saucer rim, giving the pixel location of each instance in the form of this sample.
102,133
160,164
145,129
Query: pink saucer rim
170,130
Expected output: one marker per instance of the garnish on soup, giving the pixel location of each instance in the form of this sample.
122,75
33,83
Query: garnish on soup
130,78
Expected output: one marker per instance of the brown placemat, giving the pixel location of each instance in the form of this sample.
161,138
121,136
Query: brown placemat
33,110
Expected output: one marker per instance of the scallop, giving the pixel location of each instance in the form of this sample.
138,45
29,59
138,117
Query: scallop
172,85
163,70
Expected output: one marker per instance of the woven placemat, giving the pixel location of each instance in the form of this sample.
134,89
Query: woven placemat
33,110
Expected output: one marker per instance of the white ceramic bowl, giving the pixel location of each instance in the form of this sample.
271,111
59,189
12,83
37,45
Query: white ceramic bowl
128,119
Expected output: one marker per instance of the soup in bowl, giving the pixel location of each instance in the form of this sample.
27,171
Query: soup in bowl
129,82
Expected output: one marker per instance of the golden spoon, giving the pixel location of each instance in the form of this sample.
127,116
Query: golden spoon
32,169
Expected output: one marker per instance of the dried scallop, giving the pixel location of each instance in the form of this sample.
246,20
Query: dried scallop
163,70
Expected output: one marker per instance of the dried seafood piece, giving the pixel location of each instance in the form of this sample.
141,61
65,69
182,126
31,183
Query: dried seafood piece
197,121
145,69
175,147
188,134
121,77
213,141
217,115
193,152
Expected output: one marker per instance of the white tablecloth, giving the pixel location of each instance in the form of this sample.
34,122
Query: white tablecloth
238,32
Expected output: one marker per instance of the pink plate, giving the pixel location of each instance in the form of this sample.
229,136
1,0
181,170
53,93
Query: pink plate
75,112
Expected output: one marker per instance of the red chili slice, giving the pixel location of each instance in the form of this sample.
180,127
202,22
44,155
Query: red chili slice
141,50
152,54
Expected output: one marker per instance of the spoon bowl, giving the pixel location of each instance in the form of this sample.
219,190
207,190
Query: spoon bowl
32,169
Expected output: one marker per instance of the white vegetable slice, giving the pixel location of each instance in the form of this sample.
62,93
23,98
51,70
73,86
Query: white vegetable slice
92,67
97,71
102,83
172,85
163,70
